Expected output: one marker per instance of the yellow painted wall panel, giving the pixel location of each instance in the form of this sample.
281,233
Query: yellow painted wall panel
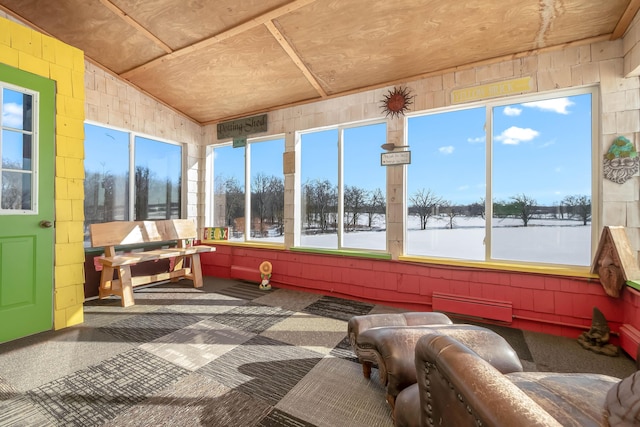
20,37
32,64
9,55
74,169
70,147
62,76
78,85
70,274
63,209
69,253
49,49
64,54
65,297
59,319
61,189
75,188
62,231
60,170
5,35
77,213
67,126
73,107
75,315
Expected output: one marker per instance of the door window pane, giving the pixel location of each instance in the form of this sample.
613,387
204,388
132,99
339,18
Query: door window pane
319,177
16,152
16,190
158,178
17,110
228,193
446,185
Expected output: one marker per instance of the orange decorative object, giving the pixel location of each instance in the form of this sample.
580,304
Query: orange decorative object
265,275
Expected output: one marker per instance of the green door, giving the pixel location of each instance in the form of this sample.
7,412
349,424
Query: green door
26,203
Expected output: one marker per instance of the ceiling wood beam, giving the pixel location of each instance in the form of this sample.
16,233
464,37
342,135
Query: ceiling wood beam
625,20
129,20
295,58
231,32
470,65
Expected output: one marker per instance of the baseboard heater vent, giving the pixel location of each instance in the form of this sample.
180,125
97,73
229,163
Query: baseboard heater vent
476,307
245,273
630,340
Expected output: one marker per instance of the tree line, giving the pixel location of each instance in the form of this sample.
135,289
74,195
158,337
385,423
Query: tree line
425,204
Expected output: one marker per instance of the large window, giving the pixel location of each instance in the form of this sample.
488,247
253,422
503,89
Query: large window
342,186
507,181
248,190
119,164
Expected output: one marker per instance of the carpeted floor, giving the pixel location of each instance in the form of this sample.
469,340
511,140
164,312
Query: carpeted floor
229,354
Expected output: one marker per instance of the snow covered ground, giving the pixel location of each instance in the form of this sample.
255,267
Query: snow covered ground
544,240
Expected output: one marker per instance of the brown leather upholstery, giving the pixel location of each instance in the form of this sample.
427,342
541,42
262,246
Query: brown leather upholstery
394,349
359,324
457,387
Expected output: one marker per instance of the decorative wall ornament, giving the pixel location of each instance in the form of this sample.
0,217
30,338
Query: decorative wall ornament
621,161
397,101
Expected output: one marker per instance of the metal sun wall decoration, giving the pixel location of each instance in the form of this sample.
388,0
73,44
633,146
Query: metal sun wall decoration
396,102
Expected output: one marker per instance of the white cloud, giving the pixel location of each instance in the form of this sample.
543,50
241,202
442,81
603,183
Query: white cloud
476,140
515,135
557,105
12,115
463,188
512,111
446,150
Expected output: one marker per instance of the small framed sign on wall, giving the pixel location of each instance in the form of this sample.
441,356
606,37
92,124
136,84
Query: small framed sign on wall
395,158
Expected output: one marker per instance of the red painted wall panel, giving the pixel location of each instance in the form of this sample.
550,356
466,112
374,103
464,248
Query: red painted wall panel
544,303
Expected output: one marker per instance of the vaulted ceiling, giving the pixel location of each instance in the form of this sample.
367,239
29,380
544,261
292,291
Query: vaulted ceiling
220,59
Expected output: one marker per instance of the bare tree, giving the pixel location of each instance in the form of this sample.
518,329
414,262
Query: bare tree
375,204
260,196
276,202
354,203
450,211
477,208
423,205
523,207
578,206
322,203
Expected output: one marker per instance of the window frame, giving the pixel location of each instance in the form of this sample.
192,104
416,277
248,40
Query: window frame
490,105
35,147
210,187
340,184
131,140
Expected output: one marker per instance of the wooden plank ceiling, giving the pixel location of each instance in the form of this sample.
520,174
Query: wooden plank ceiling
221,59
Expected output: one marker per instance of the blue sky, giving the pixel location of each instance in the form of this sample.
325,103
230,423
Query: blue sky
541,149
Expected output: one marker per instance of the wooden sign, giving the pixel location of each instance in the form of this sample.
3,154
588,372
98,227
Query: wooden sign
242,127
395,158
216,233
491,90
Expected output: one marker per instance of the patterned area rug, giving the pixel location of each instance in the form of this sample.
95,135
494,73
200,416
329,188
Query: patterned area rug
228,354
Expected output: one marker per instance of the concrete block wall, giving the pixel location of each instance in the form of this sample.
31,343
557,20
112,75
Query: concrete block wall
31,51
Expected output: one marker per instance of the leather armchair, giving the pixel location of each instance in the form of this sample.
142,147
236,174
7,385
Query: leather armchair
458,387
394,350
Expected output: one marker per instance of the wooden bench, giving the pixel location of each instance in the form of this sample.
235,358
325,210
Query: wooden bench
128,233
